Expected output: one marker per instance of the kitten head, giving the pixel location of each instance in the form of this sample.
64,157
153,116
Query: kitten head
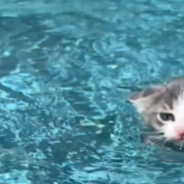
162,108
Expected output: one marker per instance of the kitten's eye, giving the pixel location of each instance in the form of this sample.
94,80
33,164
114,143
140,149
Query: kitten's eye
167,116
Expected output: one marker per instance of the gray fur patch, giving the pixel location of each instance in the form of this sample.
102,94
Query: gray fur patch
154,100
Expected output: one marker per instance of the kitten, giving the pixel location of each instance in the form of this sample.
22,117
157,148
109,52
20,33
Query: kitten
162,108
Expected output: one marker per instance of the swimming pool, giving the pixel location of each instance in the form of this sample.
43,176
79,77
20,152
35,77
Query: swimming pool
66,71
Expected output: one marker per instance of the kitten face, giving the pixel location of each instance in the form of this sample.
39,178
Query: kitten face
162,108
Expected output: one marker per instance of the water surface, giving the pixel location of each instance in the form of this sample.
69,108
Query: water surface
64,120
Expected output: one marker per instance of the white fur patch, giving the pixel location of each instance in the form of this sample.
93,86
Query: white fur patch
174,130
169,131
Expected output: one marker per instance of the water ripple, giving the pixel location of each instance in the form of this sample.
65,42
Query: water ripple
67,69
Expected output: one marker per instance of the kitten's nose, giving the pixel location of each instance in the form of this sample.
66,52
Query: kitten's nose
181,135
180,132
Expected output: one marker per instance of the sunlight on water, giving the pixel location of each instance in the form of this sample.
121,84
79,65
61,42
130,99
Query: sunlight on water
64,120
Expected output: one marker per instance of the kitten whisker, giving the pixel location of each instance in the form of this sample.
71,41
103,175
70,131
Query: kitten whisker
165,141
153,133
157,139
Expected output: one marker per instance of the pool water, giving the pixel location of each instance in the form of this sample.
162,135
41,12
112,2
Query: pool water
67,68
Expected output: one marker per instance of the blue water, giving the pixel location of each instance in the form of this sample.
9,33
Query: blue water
64,118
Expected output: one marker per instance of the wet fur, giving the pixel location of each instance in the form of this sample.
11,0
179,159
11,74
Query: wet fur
156,99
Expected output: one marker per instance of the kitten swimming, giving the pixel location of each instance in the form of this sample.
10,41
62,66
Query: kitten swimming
162,108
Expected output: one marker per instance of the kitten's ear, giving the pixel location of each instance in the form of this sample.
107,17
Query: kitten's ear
143,99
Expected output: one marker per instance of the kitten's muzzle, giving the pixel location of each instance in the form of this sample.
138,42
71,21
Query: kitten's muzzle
179,133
